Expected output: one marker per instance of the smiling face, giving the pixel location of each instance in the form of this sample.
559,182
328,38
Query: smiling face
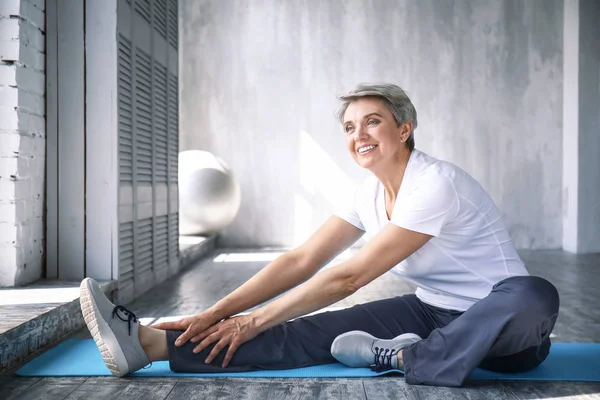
372,135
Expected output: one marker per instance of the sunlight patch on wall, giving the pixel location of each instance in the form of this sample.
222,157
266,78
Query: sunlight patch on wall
321,178
319,174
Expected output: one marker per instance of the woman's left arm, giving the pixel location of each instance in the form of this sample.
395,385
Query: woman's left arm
391,246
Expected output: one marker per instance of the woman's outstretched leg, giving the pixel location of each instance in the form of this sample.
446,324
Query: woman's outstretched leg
307,341
126,346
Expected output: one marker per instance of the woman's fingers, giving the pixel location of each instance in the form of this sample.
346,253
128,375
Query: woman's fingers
232,333
217,349
232,349
172,325
202,335
165,326
210,338
195,330
185,336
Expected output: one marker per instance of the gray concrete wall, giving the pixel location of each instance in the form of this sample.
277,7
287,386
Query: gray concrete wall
581,127
258,86
589,127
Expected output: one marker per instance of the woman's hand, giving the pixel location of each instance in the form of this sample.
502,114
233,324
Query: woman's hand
193,326
233,331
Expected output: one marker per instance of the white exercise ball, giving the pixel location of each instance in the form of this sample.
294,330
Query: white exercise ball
209,195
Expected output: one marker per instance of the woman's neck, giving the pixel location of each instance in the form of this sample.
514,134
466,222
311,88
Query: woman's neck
392,174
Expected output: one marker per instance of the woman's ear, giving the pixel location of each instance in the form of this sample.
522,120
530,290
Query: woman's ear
405,130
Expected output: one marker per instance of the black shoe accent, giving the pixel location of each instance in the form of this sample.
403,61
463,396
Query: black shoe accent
383,359
130,316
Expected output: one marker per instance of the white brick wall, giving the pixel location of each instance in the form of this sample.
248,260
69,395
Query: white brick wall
22,140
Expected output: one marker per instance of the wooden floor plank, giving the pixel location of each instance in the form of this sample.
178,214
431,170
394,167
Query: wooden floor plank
196,389
250,389
67,380
555,390
47,390
471,391
301,389
388,389
97,391
489,390
143,391
12,386
130,379
347,389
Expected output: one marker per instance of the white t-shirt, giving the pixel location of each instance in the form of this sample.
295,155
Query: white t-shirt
471,249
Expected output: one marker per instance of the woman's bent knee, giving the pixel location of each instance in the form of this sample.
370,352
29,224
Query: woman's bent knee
534,293
541,291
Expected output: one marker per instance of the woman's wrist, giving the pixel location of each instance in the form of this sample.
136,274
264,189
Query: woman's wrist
261,320
216,313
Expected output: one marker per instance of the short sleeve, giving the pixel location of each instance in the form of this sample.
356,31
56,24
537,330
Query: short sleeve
348,211
427,206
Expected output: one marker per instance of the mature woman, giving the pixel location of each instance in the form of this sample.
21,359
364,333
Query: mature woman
427,220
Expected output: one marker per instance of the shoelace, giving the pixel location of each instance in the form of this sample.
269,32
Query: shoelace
383,359
130,316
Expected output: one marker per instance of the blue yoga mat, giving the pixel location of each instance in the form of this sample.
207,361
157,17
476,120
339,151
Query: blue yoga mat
73,357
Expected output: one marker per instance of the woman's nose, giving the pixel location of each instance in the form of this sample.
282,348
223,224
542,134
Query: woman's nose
359,133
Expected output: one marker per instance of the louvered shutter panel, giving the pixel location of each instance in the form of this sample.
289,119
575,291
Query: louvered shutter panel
125,129
143,116
125,111
160,18
161,133
148,144
142,7
173,139
161,247
126,254
173,162
172,26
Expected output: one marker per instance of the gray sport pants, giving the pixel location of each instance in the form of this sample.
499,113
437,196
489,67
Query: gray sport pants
507,331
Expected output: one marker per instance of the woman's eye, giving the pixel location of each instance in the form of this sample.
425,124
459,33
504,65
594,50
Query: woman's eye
348,128
372,120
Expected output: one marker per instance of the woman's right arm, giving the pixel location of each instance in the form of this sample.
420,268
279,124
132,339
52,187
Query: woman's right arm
282,274
290,269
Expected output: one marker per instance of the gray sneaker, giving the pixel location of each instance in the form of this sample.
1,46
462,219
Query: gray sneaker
360,349
114,329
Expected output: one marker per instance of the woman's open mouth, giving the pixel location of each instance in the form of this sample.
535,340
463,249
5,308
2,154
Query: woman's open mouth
366,149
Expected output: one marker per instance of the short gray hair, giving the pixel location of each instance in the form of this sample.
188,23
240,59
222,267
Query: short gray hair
393,96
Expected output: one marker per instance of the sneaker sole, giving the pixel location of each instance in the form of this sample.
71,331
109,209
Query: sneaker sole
407,338
103,336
